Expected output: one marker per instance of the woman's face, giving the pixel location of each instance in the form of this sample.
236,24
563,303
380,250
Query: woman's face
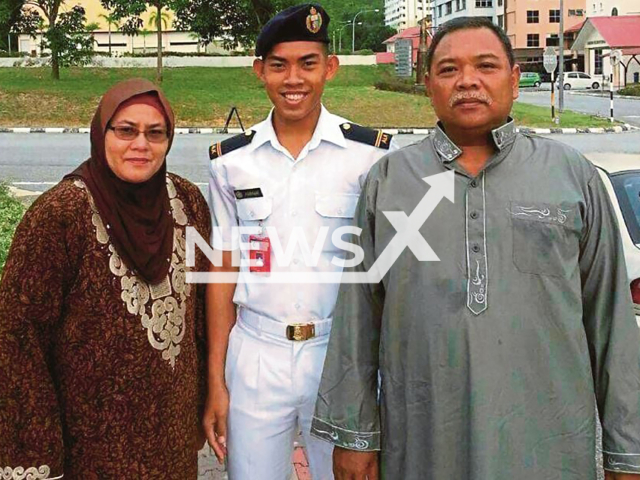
136,160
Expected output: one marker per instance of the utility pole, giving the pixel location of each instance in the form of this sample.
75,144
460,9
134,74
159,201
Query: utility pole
561,62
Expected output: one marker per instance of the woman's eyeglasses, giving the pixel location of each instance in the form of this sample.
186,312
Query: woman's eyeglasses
128,132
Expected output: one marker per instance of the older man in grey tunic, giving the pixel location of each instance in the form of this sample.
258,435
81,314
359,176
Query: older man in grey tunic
491,360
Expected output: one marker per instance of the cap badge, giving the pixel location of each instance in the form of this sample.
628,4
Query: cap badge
314,21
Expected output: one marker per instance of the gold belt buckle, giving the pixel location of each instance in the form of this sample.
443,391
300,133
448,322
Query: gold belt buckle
299,332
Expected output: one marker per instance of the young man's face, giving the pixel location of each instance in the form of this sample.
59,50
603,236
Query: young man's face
294,74
471,83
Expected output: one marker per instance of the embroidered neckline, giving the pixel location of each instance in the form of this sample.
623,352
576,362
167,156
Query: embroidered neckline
161,307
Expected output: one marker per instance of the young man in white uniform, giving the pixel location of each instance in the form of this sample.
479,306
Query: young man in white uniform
299,171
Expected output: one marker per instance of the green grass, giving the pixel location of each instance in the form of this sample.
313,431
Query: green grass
11,211
203,97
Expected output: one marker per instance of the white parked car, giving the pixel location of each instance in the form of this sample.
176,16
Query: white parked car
581,80
622,180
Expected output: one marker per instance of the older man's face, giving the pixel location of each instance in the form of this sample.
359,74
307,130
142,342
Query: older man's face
470,82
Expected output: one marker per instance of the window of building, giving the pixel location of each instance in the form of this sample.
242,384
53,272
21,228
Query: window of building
500,3
554,16
533,16
439,10
449,6
464,4
533,40
580,12
484,3
614,12
553,40
458,5
597,61
501,21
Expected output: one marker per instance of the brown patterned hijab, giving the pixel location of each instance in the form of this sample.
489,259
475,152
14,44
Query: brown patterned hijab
137,215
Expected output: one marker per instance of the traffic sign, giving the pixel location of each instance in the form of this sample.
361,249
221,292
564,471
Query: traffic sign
549,60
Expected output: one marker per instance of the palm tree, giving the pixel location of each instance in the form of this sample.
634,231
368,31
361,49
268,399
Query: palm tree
91,28
195,36
159,18
145,33
111,20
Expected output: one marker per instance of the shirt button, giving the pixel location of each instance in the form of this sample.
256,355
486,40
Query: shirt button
297,305
474,215
252,214
474,183
294,213
475,248
295,261
339,211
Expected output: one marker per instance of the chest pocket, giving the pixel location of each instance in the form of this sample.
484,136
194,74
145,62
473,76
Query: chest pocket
254,209
336,205
545,238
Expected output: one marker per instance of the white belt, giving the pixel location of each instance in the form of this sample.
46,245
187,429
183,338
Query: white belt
294,331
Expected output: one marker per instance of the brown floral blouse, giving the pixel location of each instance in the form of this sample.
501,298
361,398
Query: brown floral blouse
101,375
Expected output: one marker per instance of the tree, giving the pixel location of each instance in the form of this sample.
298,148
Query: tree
162,21
111,20
10,12
65,35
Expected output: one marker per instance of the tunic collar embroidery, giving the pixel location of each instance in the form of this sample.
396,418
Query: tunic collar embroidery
449,151
162,306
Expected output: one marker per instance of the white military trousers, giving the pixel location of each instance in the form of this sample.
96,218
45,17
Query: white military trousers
273,384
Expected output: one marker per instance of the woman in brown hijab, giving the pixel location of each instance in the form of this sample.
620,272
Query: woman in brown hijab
101,338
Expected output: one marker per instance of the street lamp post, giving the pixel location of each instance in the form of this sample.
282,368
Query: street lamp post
353,42
561,62
340,35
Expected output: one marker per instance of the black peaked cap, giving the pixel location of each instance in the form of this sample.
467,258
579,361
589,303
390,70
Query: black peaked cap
301,23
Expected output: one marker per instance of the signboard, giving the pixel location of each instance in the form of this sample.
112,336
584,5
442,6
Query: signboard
404,58
549,60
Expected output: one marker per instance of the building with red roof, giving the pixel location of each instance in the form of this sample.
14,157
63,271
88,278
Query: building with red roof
599,36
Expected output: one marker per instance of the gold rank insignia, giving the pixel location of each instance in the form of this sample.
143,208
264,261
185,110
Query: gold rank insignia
314,21
382,140
215,151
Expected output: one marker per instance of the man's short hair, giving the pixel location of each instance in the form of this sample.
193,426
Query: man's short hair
464,23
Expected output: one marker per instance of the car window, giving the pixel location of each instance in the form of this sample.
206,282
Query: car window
573,75
627,188
584,75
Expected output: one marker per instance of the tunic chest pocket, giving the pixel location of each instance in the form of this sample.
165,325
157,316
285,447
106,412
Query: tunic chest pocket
545,238
254,209
336,205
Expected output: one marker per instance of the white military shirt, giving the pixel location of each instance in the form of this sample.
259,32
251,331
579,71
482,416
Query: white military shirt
318,189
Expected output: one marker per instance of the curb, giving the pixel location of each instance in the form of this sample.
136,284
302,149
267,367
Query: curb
616,96
393,131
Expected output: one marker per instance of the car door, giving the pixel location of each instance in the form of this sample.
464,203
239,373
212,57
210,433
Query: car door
585,80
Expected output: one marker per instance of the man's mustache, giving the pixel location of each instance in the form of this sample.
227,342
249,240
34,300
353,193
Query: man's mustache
460,97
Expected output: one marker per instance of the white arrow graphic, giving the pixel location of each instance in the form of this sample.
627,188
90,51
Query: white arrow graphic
408,228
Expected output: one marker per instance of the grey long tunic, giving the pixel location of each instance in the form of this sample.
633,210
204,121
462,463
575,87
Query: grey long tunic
489,359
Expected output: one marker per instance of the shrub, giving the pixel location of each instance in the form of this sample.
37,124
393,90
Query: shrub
11,211
631,90
395,84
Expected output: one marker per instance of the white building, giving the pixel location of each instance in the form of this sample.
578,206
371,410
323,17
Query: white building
402,14
612,8
445,10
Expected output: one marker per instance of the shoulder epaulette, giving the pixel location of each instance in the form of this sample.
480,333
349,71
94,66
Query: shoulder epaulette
370,136
230,144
